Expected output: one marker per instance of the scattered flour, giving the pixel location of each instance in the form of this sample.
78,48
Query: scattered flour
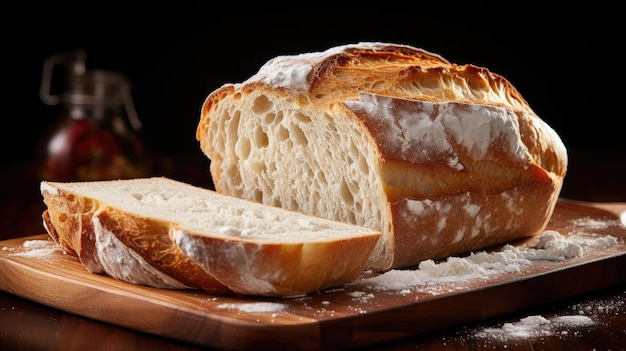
360,296
254,306
480,265
590,223
37,249
595,224
563,321
535,326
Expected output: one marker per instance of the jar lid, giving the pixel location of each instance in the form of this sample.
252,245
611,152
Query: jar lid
95,87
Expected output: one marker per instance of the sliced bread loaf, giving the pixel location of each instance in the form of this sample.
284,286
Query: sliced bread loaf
169,234
441,158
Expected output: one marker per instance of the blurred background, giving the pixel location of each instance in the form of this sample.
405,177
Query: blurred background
176,54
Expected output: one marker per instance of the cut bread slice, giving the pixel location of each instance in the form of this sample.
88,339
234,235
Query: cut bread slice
169,234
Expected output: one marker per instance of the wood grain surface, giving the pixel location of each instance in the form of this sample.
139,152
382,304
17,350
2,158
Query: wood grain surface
345,317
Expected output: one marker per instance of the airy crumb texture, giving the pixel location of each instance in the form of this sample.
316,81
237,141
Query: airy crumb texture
207,212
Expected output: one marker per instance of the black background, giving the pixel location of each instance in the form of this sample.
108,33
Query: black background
565,62
176,54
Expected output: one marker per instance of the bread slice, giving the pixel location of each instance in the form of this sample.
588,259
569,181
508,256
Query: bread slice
169,234
441,158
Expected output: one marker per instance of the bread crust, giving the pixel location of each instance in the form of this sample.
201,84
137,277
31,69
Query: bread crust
70,219
432,228
278,269
458,141
150,239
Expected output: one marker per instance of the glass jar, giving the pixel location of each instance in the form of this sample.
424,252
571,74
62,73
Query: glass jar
97,134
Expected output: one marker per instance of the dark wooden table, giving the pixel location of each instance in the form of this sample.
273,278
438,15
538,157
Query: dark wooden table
593,176
25,325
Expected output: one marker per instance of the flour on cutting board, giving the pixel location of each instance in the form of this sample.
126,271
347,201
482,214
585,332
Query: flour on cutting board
574,321
430,275
253,306
35,249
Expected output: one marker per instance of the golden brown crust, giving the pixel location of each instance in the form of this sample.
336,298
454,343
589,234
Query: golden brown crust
279,269
54,235
473,221
405,73
411,73
150,240
511,172
69,221
501,165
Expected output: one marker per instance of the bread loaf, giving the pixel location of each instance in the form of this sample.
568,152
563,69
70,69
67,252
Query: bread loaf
164,233
441,158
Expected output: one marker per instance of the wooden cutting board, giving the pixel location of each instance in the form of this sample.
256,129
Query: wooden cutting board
345,317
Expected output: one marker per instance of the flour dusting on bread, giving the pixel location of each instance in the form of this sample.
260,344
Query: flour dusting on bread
120,262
